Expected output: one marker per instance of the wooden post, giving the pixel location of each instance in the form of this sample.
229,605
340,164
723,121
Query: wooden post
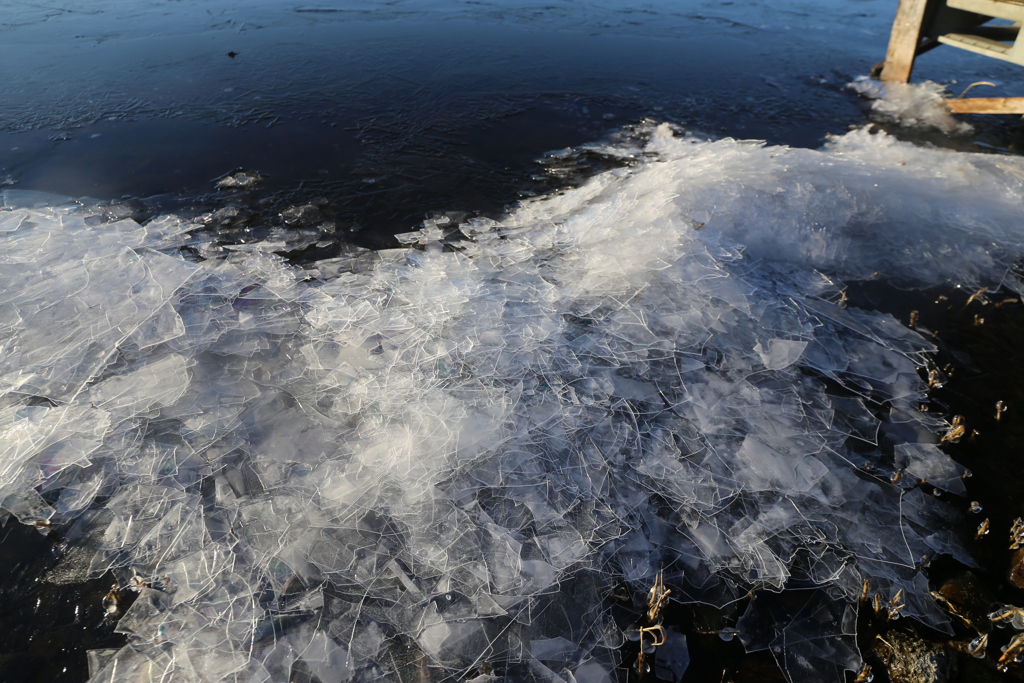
904,40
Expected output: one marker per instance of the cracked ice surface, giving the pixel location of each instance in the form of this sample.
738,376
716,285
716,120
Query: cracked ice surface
437,461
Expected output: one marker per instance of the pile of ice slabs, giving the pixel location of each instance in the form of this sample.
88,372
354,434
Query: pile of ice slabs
451,460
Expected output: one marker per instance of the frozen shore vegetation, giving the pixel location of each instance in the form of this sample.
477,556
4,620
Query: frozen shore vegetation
447,460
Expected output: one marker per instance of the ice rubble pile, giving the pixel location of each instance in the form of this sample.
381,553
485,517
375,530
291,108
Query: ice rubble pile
911,104
446,460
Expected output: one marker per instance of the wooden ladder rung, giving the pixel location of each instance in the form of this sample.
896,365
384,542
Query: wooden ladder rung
986,105
984,46
1004,9
1000,42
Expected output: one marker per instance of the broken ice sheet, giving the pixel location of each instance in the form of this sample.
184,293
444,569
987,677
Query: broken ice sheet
430,460
810,634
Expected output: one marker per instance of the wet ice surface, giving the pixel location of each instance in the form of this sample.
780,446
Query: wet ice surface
445,460
384,108
263,62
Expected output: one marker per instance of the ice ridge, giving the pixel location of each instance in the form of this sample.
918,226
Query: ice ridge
448,460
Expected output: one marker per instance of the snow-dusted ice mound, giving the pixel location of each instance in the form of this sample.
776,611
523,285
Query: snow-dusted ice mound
448,460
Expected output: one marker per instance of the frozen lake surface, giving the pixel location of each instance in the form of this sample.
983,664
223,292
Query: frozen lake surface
621,346
392,109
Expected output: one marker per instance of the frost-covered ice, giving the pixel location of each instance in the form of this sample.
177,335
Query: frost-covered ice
443,460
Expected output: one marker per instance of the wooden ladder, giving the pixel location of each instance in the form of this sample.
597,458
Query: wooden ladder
908,41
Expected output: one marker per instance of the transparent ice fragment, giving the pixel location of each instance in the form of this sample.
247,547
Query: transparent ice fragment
28,506
135,664
148,607
673,657
811,636
454,642
553,649
98,659
326,659
12,220
926,462
591,672
78,496
151,385
240,178
778,354
49,439
164,325
14,199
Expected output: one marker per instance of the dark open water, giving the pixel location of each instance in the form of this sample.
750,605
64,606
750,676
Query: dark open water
393,109
381,113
